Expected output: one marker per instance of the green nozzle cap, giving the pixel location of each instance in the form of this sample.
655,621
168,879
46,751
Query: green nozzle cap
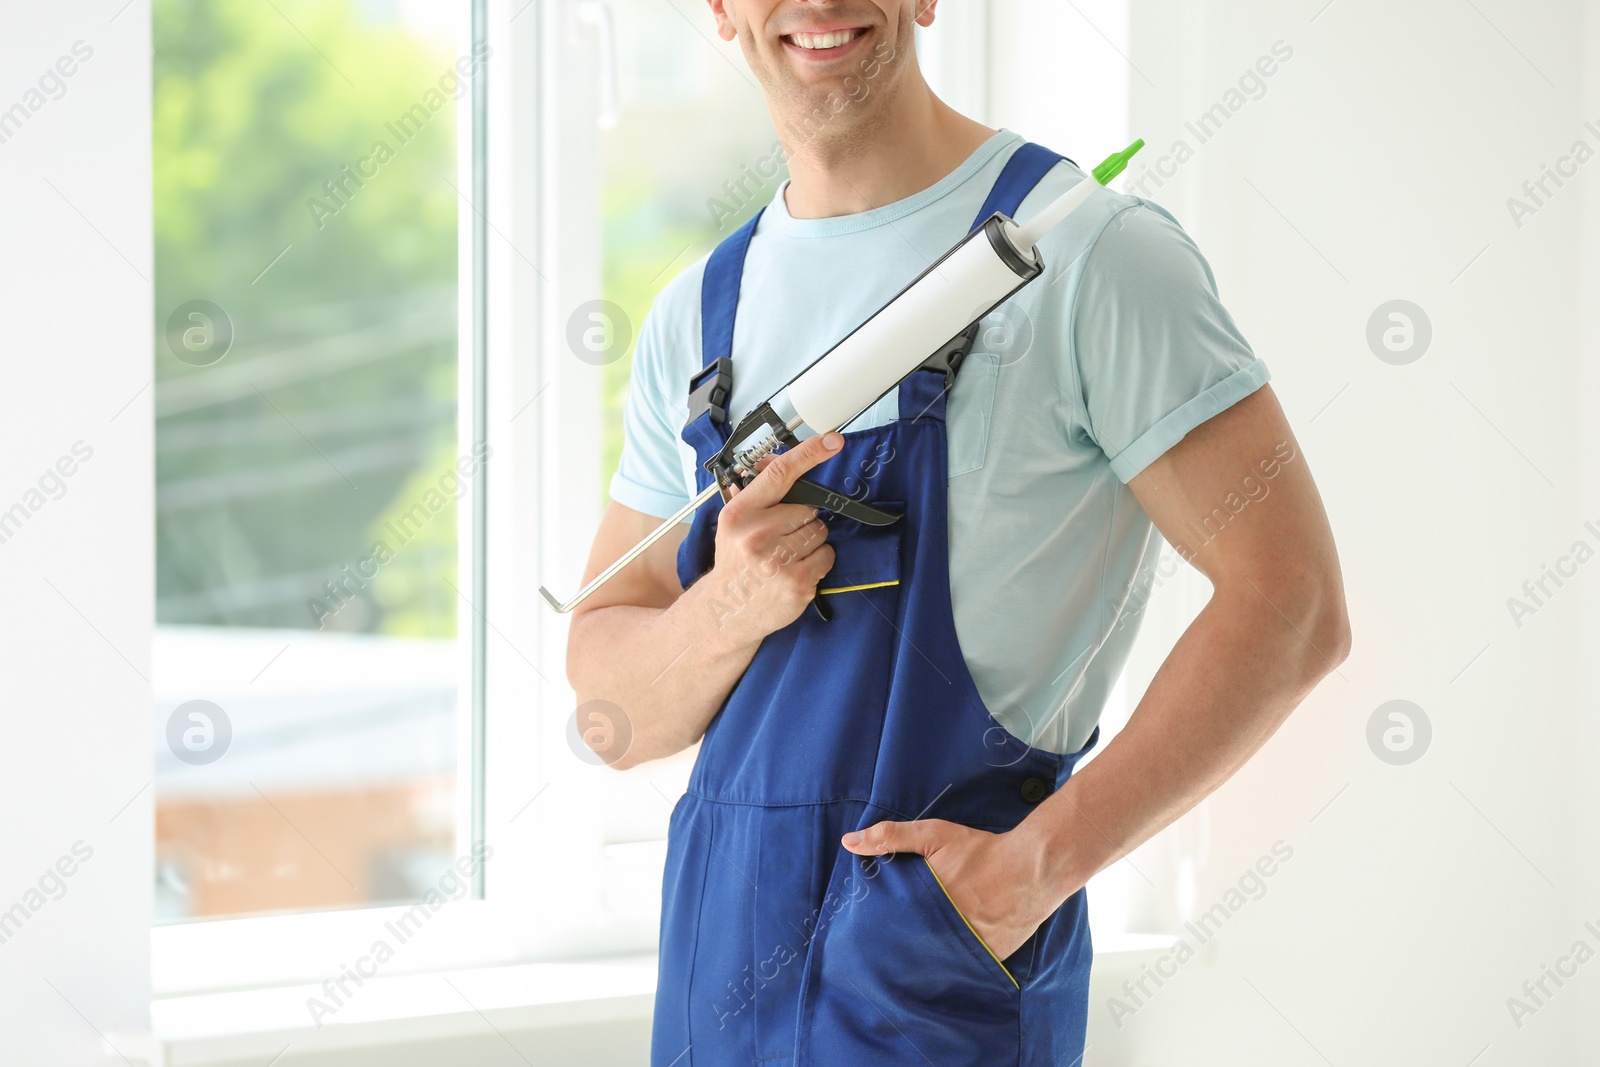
1116,162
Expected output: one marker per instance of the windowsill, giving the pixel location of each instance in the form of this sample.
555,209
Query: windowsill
190,1031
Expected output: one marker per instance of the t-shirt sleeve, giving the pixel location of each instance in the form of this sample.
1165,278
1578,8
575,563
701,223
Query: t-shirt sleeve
649,476
1154,351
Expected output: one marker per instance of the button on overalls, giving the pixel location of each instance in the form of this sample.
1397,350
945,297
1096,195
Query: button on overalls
778,946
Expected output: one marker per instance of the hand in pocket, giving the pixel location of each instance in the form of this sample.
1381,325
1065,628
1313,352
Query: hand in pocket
995,881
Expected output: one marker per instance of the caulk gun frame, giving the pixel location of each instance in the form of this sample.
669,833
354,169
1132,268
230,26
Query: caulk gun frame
731,459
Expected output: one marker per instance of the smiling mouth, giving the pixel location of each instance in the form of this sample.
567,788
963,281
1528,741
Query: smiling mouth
823,45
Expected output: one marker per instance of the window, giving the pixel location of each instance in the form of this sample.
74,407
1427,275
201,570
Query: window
322,467
309,464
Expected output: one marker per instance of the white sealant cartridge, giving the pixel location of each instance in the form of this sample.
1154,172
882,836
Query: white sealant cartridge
988,266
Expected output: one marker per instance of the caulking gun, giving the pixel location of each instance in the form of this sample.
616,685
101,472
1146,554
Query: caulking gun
938,312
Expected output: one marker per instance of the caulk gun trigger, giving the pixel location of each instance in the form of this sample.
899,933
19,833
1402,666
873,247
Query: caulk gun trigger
820,496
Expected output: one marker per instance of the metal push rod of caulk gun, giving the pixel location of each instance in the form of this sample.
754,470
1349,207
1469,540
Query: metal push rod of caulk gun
982,271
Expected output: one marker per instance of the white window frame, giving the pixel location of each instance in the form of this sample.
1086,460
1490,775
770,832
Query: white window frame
528,233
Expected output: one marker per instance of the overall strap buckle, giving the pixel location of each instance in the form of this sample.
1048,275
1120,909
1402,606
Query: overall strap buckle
709,390
950,355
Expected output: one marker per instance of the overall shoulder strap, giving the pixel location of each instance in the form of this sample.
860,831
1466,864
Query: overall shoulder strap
1022,172
719,292
711,386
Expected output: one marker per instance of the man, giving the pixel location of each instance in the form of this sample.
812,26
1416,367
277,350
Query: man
881,855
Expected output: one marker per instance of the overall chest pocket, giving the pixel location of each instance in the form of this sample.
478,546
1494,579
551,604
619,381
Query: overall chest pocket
865,557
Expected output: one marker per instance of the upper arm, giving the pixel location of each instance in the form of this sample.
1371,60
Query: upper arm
649,581
1236,499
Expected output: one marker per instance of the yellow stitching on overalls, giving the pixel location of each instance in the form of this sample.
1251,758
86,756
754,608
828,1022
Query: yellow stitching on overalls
957,910
851,588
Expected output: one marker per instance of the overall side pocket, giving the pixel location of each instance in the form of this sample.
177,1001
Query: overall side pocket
899,980
984,945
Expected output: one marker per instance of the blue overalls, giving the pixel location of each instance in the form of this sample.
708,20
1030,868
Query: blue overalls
778,946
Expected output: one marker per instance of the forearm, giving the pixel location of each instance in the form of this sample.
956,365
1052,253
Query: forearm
668,670
1232,679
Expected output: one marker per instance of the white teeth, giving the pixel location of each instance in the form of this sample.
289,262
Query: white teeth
823,40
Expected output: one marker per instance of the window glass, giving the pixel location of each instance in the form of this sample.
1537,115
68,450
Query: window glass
307,461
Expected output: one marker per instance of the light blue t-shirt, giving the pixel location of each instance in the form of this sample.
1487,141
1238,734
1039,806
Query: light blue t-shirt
1074,386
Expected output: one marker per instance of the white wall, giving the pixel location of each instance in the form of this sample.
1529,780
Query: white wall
1587,814
1376,166
1057,74
77,577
